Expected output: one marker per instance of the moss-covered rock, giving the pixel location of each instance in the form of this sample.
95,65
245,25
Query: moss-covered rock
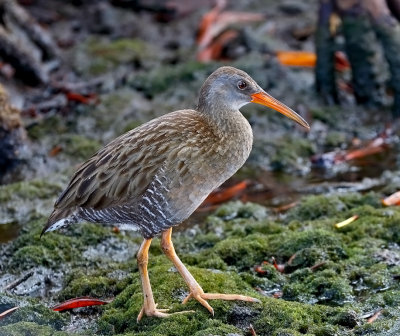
29,328
325,277
79,147
28,190
162,79
97,56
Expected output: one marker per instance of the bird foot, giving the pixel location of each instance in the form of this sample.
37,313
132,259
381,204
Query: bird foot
153,311
202,297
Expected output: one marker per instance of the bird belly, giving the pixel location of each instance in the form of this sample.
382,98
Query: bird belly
192,188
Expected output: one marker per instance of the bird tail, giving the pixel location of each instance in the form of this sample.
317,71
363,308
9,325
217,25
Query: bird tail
60,218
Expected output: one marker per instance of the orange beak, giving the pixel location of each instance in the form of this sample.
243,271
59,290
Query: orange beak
264,98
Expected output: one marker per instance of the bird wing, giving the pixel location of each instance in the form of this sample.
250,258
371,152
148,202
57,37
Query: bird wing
121,171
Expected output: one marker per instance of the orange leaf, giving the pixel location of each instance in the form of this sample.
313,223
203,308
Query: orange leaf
214,50
393,199
375,147
309,59
209,18
297,58
224,195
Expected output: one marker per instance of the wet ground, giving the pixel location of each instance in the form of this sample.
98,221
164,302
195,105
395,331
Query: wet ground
294,196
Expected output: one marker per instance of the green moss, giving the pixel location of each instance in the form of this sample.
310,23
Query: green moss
326,286
238,209
328,115
314,244
289,151
243,253
354,276
169,289
112,106
53,249
29,190
30,312
92,285
48,126
161,79
29,329
79,147
335,140
280,317
317,207
131,125
119,51
97,56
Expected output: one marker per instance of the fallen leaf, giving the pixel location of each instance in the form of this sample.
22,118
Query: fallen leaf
7,312
83,301
83,99
226,194
55,150
214,50
374,317
297,58
393,199
346,222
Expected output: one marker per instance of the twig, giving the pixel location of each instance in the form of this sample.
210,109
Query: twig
19,281
374,317
252,331
7,312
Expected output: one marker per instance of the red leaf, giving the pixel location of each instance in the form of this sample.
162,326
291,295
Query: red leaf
83,99
55,150
83,301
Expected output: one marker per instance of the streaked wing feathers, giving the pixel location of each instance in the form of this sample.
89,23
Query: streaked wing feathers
122,170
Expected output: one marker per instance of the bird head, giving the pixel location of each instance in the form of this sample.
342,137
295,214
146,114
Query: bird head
230,88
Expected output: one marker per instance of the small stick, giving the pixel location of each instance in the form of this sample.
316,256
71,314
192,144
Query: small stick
252,331
346,222
374,317
313,268
7,312
19,281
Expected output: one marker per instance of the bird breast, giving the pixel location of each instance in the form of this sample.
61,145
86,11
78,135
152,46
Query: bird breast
206,159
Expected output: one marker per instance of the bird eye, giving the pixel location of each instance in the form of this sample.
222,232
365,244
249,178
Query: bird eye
241,85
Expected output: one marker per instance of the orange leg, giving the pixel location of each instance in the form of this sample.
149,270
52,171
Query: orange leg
149,306
196,291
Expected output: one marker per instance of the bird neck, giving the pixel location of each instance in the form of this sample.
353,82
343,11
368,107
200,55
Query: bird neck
223,118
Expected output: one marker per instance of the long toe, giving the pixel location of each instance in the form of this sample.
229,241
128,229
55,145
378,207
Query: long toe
218,296
203,297
159,313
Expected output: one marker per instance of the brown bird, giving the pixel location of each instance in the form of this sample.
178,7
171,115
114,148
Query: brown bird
156,175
